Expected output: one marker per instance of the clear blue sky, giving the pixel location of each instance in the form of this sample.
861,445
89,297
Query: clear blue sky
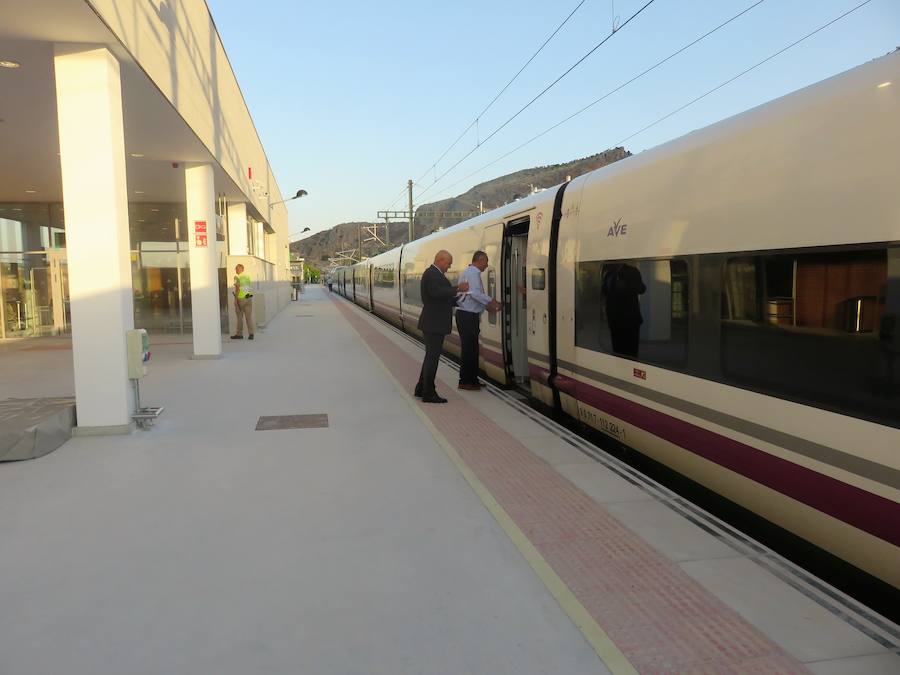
353,98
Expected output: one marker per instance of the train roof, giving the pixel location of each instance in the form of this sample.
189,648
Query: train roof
841,85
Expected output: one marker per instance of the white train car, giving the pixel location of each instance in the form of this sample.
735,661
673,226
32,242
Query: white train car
339,279
767,370
385,275
767,365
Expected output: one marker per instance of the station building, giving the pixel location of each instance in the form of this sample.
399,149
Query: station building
132,181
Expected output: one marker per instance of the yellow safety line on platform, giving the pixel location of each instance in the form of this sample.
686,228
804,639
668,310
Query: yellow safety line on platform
605,648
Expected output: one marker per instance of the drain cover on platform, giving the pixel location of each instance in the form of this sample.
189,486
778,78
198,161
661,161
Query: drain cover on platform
277,422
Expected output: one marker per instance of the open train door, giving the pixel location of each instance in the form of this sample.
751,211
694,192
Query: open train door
493,362
513,266
540,310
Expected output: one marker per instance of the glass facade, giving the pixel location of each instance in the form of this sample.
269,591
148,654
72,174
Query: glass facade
34,273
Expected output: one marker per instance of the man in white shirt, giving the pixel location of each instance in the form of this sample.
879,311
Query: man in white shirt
469,308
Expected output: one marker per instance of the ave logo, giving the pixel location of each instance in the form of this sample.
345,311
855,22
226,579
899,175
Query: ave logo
618,229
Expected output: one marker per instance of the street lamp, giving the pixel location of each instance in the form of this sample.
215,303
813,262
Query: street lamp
300,193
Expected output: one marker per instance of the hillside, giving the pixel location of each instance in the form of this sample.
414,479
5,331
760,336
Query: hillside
493,193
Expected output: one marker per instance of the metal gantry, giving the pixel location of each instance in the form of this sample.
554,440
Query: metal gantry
341,258
389,216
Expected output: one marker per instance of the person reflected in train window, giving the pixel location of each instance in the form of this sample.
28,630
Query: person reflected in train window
435,321
622,284
469,308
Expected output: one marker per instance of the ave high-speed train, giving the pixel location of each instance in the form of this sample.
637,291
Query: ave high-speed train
767,365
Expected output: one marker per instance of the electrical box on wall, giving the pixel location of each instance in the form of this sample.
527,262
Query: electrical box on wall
137,345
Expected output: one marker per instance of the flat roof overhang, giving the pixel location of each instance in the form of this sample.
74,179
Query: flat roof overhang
156,136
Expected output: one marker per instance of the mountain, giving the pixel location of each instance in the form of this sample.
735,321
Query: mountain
318,248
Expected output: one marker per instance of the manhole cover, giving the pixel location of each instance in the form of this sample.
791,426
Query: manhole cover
277,422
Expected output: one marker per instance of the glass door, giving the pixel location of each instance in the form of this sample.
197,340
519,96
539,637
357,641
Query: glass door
27,295
59,280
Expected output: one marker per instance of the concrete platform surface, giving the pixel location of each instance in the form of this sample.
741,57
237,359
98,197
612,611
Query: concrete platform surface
203,546
474,537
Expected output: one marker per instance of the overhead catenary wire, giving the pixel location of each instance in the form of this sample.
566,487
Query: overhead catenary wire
748,70
614,32
396,199
680,108
475,121
615,90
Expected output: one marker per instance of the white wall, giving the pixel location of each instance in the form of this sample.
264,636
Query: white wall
176,43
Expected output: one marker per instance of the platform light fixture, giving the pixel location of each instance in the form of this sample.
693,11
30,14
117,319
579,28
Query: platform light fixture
883,85
136,155
9,64
300,193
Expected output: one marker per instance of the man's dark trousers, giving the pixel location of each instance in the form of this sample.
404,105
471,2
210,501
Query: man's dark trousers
434,345
469,325
435,321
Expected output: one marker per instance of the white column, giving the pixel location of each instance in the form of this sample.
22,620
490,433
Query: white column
237,230
95,199
204,261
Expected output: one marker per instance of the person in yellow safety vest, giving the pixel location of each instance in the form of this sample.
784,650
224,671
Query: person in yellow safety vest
243,303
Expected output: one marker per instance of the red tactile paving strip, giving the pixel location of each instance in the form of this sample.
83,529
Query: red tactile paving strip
660,619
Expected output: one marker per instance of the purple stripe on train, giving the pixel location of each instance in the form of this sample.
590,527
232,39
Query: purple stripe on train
864,510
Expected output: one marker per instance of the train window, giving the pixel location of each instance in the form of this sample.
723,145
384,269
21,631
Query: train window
412,293
815,327
634,309
384,276
538,279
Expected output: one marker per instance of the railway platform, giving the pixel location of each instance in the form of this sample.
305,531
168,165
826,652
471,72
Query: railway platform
296,510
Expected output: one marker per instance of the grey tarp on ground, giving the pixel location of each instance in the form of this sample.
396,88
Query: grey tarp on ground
33,427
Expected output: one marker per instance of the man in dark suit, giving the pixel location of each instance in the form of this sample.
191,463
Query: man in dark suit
435,321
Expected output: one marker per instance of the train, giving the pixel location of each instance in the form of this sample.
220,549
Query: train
767,359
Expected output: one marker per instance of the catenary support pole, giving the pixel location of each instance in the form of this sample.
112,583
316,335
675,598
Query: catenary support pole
411,213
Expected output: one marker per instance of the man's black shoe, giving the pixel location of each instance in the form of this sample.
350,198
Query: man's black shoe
417,392
237,337
251,336
433,399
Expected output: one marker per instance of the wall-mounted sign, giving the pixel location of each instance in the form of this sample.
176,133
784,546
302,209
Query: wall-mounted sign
200,235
